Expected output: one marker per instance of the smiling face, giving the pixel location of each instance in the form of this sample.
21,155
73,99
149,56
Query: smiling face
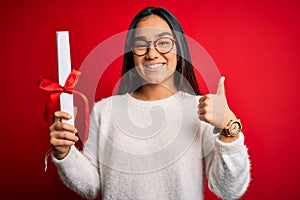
155,67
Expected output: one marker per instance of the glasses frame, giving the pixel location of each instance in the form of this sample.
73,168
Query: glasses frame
155,46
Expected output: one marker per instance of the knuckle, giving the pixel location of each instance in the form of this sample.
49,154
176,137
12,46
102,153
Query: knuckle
207,102
200,117
52,127
52,141
63,126
56,127
204,117
63,135
204,110
208,96
51,134
202,104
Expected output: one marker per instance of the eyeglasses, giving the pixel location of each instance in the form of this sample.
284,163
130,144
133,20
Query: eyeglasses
162,45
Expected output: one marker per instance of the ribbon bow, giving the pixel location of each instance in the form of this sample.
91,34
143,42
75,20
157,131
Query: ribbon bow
47,84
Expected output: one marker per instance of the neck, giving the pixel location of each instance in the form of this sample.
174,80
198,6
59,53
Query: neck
151,92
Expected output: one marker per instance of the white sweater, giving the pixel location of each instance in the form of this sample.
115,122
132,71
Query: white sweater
154,150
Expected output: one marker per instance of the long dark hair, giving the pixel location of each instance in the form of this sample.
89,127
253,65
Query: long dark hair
185,79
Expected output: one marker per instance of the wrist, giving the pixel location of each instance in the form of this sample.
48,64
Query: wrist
232,129
60,155
224,138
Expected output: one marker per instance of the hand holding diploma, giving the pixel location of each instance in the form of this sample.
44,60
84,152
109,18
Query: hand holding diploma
62,135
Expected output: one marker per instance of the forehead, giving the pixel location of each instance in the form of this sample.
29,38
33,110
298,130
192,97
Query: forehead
152,26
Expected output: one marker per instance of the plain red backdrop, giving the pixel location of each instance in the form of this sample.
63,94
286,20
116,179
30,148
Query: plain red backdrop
255,44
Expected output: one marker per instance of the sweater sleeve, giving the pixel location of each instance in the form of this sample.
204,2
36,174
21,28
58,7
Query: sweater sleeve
227,167
80,170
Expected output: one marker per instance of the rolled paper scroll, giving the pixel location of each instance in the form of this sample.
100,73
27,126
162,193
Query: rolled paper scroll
64,70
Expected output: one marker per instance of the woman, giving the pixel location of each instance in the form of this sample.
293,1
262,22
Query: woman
156,139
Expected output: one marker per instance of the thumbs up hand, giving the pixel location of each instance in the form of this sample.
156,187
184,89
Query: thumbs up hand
213,108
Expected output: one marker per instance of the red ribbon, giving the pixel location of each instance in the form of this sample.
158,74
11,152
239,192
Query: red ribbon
47,84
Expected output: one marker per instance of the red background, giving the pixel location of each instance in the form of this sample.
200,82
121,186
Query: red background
255,44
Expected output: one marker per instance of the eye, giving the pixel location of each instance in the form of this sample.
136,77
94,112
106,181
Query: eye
140,45
163,42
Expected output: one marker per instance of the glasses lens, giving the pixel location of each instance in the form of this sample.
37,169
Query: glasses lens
164,45
140,47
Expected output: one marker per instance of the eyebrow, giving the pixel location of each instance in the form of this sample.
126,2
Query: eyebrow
158,35
164,34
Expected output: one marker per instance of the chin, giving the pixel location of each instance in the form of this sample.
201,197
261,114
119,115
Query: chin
159,80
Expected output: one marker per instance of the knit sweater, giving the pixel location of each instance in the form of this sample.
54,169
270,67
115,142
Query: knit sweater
154,150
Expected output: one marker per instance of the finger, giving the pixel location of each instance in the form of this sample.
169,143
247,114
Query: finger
201,117
203,109
221,88
63,135
68,127
206,98
61,142
58,115
202,99
205,101
204,117
202,104
63,127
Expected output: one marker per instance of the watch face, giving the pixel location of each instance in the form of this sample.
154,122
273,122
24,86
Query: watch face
235,128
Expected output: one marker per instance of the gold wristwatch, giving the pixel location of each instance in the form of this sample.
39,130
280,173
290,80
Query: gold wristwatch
233,128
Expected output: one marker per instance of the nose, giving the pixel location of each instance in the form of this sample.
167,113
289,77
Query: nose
152,53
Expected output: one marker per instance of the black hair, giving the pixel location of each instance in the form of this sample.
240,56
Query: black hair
185,79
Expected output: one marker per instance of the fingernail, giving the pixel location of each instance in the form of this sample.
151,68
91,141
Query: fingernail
76,139
76,130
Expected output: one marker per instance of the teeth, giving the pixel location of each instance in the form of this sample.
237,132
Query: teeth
155,66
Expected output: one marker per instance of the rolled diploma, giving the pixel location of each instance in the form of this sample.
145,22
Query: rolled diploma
64,69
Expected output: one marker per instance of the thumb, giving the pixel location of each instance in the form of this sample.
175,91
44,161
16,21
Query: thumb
221,88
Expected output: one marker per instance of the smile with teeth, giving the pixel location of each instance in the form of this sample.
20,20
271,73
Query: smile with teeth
154,66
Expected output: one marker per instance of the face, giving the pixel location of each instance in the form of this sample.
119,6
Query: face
156,66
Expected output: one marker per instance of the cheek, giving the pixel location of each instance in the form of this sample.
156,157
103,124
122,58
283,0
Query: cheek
172,61
137,60
172,58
